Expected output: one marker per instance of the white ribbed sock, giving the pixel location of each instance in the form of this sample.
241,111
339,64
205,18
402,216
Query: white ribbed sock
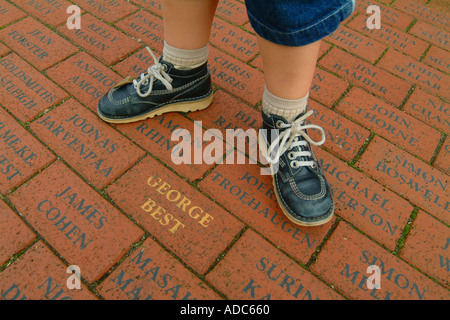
183,58
285,108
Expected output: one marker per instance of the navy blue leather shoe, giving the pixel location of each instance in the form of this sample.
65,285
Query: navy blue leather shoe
161,89
299,182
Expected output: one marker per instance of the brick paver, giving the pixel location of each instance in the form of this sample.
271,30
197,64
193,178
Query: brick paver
443,159
428,249
90,146
344,261
189,223
84,77
391,36
412,178
21,154
39,275
36,43
109,11
371,78
112,200
418,73
146,27
101,40
9,13
387,121
84,227
52,13
152,273
15,235
265,274
24,91
438,58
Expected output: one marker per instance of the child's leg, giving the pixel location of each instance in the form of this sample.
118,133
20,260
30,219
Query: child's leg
289,34
187,23
181,78
187,27
288,71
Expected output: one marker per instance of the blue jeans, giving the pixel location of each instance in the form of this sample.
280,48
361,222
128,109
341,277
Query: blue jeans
297,22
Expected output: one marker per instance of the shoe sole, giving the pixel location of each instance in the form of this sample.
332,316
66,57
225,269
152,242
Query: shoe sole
188,106
263,149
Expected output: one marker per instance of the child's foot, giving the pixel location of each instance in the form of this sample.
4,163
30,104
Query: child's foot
163,88
300,186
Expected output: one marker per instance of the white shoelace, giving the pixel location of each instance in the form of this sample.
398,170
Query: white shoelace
156,71
292,133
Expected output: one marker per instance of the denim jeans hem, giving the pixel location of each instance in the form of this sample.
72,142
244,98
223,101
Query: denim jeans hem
306,35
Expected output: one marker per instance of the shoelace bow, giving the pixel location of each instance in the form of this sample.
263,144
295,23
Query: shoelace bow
156,71
290,138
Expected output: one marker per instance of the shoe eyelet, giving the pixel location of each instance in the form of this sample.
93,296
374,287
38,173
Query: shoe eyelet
165,68
291,156
279,123
294,164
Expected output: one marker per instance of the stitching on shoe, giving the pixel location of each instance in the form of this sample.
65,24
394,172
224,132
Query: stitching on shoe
299,194
171,102
157,92
295,215
114,101
301,218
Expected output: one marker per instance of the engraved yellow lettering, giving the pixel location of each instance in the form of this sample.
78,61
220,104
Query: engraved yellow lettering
166,219
184,202
177,197
154,184
163,188
206,219
194,216
157,212
176,226
148,206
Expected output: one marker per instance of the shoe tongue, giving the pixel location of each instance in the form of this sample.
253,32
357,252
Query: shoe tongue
297,138
168,64
173,70
301,114
272,119
157,84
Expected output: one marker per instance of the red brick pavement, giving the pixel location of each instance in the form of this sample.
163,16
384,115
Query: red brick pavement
75,190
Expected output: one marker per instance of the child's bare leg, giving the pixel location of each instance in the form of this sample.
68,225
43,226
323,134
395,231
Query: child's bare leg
288,71
187,23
